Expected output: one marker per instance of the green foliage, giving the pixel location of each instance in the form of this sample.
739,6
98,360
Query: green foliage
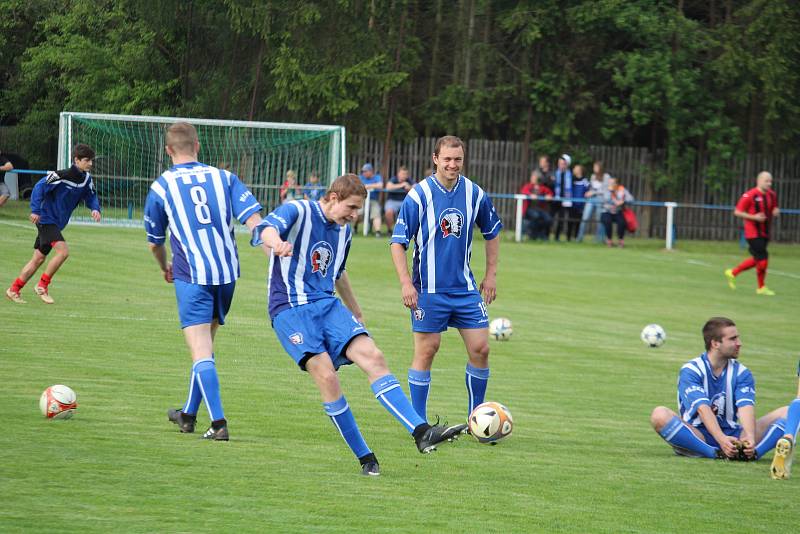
694,80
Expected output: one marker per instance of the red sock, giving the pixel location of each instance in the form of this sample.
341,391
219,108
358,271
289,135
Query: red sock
45,280
17,285
761,272
749,263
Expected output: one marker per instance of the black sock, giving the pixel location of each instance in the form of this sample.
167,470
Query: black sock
368,458
219,423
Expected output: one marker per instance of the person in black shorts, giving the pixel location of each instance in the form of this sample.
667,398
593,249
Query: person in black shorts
53,200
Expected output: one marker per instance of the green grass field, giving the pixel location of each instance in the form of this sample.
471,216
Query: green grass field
575,375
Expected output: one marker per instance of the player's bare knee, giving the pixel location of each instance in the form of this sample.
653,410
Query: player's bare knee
660,417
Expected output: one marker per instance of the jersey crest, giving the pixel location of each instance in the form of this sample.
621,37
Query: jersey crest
450,222
718,405
321,257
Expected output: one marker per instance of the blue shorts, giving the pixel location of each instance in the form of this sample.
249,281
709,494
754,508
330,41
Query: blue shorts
322,326
202,304
436,311
735,432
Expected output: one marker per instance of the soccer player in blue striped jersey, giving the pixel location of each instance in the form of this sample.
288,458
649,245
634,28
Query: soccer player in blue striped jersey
310,242
716,401
784,450
198,203
439,215
53,200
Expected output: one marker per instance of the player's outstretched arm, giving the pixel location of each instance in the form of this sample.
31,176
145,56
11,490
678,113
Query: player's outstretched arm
160,254
272,240
345,291
252,223
489,284
407,289
726,443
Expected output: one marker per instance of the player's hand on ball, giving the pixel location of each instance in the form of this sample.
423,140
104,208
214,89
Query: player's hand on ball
489,289
409,294
96,215
34,218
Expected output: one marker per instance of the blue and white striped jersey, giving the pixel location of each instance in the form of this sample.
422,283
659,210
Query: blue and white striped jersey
56,196
198,202
319,253
441,224
725,393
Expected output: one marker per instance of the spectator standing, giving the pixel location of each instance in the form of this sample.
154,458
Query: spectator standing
537,212
614,199
312,190
598,183
580,186
398,185
372,183
5,166
290,190
546,171
563,189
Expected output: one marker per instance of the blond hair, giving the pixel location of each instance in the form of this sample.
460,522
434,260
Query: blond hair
182,138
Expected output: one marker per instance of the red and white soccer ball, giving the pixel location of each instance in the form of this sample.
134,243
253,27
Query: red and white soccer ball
58,402
490,422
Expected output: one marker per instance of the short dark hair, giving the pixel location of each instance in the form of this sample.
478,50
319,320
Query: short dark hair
712,330
82,151
448,141
345,186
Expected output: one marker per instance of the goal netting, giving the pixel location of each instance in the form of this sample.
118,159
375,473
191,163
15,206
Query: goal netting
130,155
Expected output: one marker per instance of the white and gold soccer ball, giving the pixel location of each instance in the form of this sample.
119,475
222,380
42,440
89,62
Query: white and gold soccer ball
653,335
490,422
58,402
501,329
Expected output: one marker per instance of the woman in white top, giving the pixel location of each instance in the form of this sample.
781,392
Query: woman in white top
597,185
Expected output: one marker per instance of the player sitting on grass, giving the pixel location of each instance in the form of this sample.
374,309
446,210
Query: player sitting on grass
784,449
53,200
310,242
716,399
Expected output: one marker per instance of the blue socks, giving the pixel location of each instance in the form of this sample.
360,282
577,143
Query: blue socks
208,382
193,399
419,384
793,419
342,417
389,393
679,435
476,380
773,434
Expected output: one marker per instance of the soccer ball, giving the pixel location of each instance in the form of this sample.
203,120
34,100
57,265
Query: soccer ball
500,329
490,422
58,402
653,335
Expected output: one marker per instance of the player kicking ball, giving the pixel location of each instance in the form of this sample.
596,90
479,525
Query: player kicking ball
310,242
716,399
782,461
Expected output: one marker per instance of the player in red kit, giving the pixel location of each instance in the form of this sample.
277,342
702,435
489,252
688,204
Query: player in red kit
757,207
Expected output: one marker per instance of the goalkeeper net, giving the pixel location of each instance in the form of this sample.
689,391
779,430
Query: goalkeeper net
130,155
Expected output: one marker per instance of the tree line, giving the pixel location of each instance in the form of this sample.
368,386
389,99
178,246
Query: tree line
708,79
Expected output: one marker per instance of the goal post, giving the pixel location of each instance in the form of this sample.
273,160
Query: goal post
130,155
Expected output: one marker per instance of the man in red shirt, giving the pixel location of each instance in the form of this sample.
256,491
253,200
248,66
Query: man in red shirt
757,207
537,213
